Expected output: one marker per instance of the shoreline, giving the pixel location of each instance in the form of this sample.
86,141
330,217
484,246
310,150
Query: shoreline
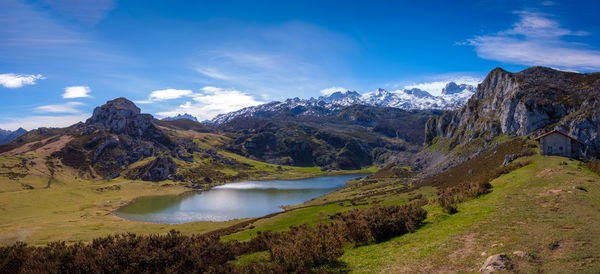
114,212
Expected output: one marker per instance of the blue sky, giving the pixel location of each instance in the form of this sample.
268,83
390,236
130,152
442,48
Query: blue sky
61,58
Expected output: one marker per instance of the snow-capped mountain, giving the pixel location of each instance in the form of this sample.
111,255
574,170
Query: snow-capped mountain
453,96
180,116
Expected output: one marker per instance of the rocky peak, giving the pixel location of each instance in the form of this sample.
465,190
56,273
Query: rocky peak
121,116
453,88
417,92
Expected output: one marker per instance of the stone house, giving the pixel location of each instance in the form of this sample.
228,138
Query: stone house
560,144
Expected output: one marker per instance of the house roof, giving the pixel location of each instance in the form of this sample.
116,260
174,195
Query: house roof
559,132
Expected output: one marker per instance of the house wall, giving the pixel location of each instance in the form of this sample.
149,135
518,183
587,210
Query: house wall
555,144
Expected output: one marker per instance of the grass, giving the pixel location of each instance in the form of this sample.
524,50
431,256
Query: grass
528,210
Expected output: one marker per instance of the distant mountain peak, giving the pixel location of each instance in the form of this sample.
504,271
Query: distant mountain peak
181,116
9,135
417,92
453,88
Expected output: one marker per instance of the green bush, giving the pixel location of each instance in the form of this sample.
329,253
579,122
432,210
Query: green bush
382,222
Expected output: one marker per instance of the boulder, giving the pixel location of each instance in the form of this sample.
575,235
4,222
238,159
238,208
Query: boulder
494,263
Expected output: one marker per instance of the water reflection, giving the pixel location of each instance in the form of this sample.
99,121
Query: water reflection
231,201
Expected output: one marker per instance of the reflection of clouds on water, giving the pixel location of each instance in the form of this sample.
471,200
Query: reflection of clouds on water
235,200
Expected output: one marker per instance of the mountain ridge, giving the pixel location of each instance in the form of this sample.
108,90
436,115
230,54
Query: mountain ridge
9,135
452,97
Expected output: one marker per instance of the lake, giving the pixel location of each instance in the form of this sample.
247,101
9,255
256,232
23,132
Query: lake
231,201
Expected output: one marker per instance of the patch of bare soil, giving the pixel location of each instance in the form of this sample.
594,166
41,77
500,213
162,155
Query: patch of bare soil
550,192
547,172
468,241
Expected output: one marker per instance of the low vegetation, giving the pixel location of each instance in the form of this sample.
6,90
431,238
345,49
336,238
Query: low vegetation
298,249
450,196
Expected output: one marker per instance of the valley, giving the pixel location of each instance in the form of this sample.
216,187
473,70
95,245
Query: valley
442,190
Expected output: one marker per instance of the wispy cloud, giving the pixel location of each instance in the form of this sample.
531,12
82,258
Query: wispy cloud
76,92
211,102
30,31
11,80
70,107
36,121
275,60
537,40
87,12
331,90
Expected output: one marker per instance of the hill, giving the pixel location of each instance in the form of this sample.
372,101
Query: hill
353,137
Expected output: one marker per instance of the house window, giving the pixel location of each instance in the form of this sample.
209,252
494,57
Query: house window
549,150
560,148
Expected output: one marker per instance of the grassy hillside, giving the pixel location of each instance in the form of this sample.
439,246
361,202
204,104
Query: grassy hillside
548,209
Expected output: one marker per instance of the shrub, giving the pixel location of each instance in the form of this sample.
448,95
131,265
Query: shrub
303,247
382,223
594,166
447,201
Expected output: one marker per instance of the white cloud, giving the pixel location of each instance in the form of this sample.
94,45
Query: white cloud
331,90
213,101
11,80
33,122
168,94
76,92
537,40
435,87
70,107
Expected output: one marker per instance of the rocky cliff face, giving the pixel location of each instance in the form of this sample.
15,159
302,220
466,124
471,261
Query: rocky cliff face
524,103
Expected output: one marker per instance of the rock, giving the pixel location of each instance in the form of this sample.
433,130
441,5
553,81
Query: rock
507,160
521,254
494,263
159,169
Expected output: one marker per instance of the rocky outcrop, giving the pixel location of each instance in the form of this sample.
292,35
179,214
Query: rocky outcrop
524,103
159,169
118,135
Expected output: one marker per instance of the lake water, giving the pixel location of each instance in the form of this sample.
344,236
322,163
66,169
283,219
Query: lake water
231,201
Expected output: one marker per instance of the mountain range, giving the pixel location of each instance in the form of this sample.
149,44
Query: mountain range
452,97
181,116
